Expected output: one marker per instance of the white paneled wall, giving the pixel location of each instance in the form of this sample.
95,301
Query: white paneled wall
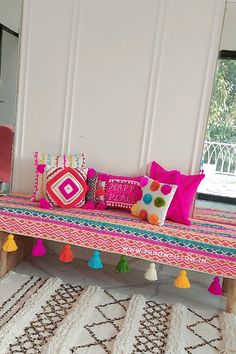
124,81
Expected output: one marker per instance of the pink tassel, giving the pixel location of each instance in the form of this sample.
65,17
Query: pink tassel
39,249
215,287
89,205
41,168
44,204
101,206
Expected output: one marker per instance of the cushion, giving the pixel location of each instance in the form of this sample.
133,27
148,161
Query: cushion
66,187
95,197
43,159
154,201
109,191
183,199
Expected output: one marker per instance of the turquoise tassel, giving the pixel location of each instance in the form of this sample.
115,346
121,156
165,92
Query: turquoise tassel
95,261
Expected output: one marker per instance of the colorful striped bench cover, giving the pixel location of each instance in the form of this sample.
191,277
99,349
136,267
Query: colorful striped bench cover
204,246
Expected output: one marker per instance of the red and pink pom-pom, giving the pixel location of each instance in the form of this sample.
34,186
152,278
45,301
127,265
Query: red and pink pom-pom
44,203
41,168
89,205
103,177
143,181
101,206
139,194
91,173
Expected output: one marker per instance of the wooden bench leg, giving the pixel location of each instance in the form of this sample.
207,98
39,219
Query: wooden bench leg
230,290
10,260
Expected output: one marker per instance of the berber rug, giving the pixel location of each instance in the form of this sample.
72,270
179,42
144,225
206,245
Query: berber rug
49,316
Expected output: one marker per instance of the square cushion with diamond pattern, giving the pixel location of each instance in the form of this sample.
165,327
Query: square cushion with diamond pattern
66,187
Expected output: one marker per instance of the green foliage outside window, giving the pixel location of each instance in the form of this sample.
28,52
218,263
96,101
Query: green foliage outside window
222,114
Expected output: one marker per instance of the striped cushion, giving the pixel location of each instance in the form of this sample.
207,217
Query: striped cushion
44,159
66,187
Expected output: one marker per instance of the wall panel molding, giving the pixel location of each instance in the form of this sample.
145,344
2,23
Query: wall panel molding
155,68
207,83
22,95
71,77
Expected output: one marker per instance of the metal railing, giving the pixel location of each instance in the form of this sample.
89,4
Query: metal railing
223,156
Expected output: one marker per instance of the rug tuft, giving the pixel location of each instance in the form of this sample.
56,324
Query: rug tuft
48,316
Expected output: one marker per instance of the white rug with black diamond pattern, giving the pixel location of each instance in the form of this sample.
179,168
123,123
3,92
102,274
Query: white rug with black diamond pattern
47,316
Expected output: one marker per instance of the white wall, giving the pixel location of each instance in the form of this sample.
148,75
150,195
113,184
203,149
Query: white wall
228,40
10,14
125,81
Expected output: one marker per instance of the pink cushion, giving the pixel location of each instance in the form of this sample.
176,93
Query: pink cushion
122,192
181,204
111,191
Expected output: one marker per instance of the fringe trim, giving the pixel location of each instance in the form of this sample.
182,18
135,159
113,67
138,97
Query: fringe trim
228,329
17,323
176,337
125,339
67,335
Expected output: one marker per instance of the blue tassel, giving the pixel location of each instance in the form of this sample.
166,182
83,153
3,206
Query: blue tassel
95,261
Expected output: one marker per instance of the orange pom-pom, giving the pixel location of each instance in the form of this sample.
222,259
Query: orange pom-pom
66,255
154,186
143,214
153,219
100,192
135,210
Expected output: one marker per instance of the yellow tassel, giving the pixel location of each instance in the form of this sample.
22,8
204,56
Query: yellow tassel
182,280
9,244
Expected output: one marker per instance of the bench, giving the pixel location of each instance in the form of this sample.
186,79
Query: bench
205,246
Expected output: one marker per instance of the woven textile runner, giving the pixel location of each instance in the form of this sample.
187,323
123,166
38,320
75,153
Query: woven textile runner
204,246
227,217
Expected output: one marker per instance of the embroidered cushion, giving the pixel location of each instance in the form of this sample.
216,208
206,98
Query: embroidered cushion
181,204
111,191
95,197
43,159
154,201
122,192
66,187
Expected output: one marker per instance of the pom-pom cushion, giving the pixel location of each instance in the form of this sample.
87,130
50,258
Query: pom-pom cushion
108,191
181,204
154,201
66,187
43,159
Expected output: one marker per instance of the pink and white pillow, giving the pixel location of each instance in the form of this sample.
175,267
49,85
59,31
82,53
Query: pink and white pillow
66,187
109,191
42,160
154,201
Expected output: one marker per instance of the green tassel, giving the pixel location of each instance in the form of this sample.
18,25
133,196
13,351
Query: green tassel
122,266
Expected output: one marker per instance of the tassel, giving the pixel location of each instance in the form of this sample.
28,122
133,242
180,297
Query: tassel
9,244
44,204
151,273
122,266
182,280
39,249
95,261
215,287
66,255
